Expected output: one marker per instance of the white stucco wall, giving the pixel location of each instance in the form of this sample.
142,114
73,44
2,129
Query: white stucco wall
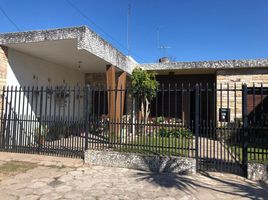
26,70
22,69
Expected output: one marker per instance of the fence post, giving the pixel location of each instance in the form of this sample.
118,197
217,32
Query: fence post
245,130
197,107
40,118
2,117
86,117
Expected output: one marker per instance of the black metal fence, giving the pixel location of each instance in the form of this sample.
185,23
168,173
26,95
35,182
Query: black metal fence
43,120
222,126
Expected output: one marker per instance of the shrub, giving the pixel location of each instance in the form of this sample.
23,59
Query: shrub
57,131
163,132
160,120
179,132
186,133
41,133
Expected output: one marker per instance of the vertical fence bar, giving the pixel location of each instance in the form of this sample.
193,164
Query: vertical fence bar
175,147
197,104
133,118
169,121
228,129
3,121
245,130
162,111
126,126
262,140
14,108
214,121
254,126
9,116
19,120
86,116
40,119
6,116
208,140
20,128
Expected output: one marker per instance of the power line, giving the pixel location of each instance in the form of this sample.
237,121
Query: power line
99,27
91,21
9,19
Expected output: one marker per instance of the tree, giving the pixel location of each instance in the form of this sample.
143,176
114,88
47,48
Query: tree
144,86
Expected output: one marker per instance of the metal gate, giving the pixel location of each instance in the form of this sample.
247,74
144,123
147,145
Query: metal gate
237,135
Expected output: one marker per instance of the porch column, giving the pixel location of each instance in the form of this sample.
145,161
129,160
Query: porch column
110,79
120,99
116,97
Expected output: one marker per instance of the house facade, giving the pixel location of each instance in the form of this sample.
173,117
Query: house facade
225,76
77,56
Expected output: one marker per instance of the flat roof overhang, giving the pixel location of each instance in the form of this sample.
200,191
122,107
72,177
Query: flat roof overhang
206,67
68,46
184,71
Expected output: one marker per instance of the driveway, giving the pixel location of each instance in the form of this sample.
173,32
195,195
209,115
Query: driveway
42,177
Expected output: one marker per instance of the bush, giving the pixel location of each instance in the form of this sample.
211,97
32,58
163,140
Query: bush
40,133
159,120
163,132
57,131
186,133
61,129
179,132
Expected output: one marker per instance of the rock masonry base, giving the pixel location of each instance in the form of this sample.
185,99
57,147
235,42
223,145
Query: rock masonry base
152,163
257,171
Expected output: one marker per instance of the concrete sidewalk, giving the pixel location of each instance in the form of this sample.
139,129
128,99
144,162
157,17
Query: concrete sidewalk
65,178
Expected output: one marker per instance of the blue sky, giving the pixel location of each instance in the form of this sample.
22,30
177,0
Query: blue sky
194,29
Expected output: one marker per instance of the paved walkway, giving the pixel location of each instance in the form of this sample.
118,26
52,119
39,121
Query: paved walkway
63,178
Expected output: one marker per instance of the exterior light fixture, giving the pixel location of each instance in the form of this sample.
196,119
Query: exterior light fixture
79,65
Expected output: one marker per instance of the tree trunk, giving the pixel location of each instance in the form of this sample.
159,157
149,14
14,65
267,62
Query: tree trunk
147,111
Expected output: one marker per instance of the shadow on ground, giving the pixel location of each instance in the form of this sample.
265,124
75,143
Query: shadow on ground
210,182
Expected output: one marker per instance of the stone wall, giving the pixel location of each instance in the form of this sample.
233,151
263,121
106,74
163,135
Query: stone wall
95,79
257,171
3,69
235,79
99,79
3,65
152,163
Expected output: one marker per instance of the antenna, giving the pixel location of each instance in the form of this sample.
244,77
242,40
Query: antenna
162,48
128,29
157,35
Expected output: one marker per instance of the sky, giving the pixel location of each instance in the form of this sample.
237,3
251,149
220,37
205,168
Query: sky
193,30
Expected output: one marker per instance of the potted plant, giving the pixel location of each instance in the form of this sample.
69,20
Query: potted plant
61,92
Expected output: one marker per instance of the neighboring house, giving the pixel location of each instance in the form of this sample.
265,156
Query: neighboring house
78,56
228,75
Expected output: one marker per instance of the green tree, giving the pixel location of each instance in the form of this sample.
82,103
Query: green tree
144,86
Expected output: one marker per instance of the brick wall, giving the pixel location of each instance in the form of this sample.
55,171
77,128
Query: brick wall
95,79
99,79
237,78
3,70
3,65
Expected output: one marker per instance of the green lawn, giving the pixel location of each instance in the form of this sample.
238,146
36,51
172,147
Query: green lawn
254,154
158,145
